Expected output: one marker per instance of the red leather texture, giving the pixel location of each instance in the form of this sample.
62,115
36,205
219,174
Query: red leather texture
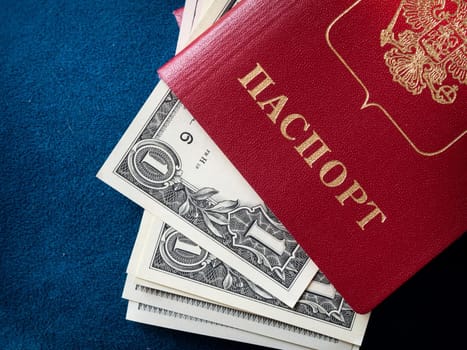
333,76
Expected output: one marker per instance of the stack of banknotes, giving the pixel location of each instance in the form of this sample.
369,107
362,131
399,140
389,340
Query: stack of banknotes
210,258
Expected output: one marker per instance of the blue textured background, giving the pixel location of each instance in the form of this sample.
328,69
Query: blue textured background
73,75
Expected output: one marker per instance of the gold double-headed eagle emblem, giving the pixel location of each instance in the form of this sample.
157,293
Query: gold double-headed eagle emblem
434,47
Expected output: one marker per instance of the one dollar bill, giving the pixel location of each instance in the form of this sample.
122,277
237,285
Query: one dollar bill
245,321
167,164
165,257
152,315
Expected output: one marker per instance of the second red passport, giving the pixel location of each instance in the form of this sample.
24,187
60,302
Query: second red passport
349,120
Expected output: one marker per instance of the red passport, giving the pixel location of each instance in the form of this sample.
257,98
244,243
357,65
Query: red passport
349,120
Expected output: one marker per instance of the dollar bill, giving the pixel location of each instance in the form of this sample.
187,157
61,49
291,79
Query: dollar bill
166,163
186,25
193,13
202,8
227,316
152,315
166,257
209,13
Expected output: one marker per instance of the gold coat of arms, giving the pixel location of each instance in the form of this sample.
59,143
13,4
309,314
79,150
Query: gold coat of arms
433,49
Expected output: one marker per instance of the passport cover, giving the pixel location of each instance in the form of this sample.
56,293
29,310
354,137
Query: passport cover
349,120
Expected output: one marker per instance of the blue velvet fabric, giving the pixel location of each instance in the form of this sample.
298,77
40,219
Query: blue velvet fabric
73,74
